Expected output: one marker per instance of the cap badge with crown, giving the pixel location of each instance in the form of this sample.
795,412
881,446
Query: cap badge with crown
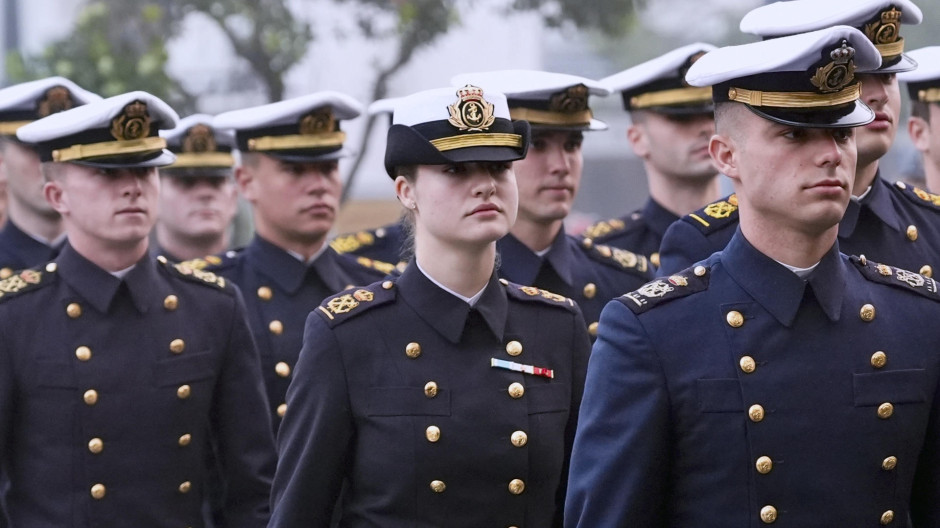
574,99
132,123
837,74
199,138
56,99
471,112
320,121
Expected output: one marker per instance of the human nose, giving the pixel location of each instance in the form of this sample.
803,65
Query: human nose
831,153
485,186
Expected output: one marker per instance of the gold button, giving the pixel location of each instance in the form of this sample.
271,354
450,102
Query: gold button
185,439
183,392
768,514
177,346
699,271
867,313
654,259
74,310
387,285
96,445
889,463
592,329
161,259
912,233
276,327
879,359
516,486
430,389
885,410
764,465
83,353
438,486
887,517
265,293
51,267
926,270
504,282
282,369
185,486
433,433
282,410
413,350
171,302
90,396
748,365
98,491
755,413
514,348
519,438
516,390
587,243
590,290
735,319
6,273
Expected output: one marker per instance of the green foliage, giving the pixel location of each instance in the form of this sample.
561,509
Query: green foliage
116,46
612,17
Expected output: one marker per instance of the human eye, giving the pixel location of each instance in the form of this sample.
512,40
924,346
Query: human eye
843,134
538,144
573,145
794,133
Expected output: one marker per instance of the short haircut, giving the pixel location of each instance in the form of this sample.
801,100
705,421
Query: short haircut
920,109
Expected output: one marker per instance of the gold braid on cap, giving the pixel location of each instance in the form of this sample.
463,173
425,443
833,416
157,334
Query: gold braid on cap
930,95
477,140
794,99
545,117
675,96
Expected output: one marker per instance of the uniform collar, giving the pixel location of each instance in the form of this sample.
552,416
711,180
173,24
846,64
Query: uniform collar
522,264
289,273
878,201
98,287
446,313
779,290
658,217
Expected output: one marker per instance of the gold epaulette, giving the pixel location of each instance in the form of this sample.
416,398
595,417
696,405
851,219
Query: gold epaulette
195,272
604,228
202,263
531,293
616,257
23,281
897,277
715,215
352,242
662,290
354,301
919,196
379,265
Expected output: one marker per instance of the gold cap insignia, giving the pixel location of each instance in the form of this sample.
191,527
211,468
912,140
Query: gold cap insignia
885,30
837,74
199,138
471,112
56,99
574,99
320,121
132,123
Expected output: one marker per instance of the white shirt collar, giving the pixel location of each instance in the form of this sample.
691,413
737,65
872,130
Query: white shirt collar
469,300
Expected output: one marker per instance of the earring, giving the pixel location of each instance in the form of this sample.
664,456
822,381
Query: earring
414,206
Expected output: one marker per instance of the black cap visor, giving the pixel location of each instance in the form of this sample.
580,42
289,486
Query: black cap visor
848,115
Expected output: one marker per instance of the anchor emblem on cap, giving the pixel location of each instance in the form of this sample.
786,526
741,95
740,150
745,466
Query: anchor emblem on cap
472,112
837,74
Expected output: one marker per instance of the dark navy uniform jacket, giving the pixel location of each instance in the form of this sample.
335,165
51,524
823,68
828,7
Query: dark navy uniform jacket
640,232
396,391
20,251
279,292
383,244
113,392
590,274
896,224
736,394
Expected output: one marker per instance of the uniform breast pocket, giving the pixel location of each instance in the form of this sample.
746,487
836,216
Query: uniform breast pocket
554,397
719,395
184,369
893,386
406,401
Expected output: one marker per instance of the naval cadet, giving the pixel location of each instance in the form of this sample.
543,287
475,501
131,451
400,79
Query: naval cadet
34,232
122,373
385,243
923,125
445,396
893,223
671,123
537,251
198,199
289,173
778,381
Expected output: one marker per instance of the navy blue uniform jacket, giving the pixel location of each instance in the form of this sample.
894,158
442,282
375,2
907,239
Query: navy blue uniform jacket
395,392
640,232
279,293
590,274
736,394
20,251
895,224
113,392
